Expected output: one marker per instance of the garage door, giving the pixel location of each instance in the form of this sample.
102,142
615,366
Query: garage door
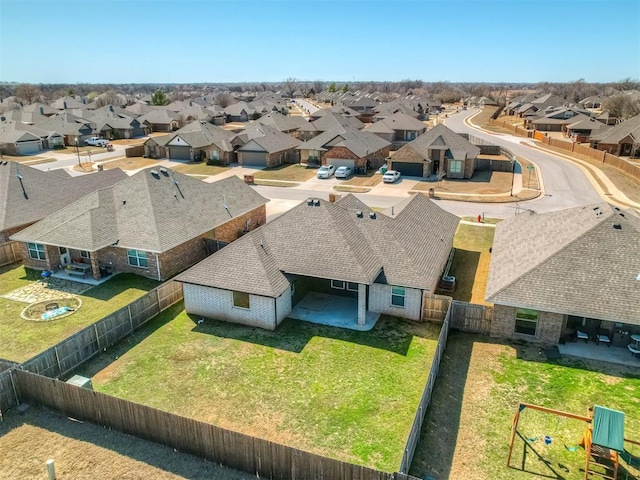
28,148
341,162
408,169
180,153
254,159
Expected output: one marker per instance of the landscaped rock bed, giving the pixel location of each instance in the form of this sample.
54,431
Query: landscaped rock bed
51,309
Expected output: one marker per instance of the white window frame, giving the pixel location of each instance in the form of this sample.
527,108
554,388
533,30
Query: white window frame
139,256
36,250
521,318
341,284
398,295
350,287
457,163
84,254
237,305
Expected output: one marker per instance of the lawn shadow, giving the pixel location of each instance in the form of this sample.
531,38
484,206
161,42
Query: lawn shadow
436,446
165,458
464,267
118,284
527,449
109,355
293,335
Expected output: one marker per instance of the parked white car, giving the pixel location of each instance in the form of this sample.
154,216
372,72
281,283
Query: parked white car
325,171
344,172
391,176
96,142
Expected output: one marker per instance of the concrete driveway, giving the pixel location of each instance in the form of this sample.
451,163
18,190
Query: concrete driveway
400,188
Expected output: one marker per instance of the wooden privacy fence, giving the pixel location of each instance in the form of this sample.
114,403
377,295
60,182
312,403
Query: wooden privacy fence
471,317
425,400
434,307
67,355
134,151
8,392
231,449
9,253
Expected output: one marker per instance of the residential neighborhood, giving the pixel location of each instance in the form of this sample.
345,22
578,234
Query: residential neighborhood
382,241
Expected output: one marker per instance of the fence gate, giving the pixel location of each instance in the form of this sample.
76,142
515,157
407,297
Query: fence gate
471,317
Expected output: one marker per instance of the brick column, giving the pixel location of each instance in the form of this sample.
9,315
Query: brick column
362,303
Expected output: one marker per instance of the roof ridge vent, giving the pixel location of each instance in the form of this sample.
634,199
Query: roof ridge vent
372,215
316,202
310,202
617,226
155,174
164,171
359,214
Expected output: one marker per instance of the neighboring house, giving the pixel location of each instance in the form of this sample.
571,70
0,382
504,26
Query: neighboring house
576,269
67,102
284,124
75,130
593,101
23,139
555,120
333,111
161,120
154,224
583,128
399,129
347,147
28,194
621,140
439,150
238,112
264,146
114,126
198,140
384,265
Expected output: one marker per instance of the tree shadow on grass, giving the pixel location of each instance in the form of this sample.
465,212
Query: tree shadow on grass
391,334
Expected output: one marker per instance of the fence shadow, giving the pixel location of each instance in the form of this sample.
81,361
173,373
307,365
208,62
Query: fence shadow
436,447
464,267
293,335
528,450
118,284
154,454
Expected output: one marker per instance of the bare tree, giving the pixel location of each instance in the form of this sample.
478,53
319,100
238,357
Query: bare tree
224,100
626,84
622,106
107,98
289,86
318,86
29,93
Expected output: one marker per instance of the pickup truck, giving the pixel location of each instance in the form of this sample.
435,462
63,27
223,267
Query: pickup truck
96,142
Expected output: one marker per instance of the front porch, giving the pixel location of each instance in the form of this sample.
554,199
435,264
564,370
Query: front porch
87,279
333,310
601,352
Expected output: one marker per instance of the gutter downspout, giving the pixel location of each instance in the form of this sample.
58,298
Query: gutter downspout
158,266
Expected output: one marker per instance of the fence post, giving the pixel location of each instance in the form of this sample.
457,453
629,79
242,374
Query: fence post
158,298
130,317
55,349
15,391
95,329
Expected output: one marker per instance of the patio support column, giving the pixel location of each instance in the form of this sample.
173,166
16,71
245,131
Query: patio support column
362,303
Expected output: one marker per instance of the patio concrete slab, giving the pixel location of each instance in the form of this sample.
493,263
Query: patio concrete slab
41,291
332,310
602,353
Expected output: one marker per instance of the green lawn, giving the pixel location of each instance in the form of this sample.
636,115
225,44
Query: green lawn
22,339
467,428
293,173
471,262
340,393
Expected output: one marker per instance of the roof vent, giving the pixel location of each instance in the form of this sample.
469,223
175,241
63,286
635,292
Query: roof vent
617,226
372,215
621,214
155,174
316,202
164,171
310,202
359,214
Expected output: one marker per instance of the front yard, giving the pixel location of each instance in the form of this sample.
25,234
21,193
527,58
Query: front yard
286,172
23,339
467,428
200,168
339,393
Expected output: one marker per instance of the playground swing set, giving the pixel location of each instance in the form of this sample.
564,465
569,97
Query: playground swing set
603,440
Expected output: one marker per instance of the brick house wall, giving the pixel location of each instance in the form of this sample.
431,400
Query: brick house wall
469,167
377,159
217,304
225,158
380,302
548,330
285,156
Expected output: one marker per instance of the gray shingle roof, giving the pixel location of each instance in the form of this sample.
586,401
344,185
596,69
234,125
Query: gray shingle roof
572,261
630,127
270,139
46,192
330,241
200,134
145,212
397,121
442,137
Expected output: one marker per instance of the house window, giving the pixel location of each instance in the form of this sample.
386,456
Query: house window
337,284
36,250
411,135
137,258
397,296
241,300
352,287
215,155
455,166
84,254
526,321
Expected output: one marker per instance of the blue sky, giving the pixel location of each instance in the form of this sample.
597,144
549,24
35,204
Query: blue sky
166,41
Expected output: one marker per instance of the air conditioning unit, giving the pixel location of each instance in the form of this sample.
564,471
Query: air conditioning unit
447,283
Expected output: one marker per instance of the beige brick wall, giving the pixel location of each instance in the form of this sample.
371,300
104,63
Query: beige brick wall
380,302
548,330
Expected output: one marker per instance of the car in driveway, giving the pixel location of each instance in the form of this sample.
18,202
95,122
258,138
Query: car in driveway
344,172
390,176
326,171
96,142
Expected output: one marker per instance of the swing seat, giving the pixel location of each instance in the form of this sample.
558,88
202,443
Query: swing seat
532,439
571,448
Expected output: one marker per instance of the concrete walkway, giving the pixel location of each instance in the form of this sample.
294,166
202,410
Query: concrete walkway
41,291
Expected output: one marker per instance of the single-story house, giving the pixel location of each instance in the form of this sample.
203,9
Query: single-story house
161,120
74,129
264,146
555,273
197,140
621,140
155,223
554,121
112,125
28,194
18,142
385,265
439,150
399,129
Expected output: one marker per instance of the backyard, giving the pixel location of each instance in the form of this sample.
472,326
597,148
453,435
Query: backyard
22,339
481,381
340,393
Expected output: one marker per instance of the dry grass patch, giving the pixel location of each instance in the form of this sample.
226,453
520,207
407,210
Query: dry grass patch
83,451
471,262
371,179
200,168
286,172
130,163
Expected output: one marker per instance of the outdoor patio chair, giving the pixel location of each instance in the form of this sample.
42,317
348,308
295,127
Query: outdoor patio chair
603,336
634,349
580,335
